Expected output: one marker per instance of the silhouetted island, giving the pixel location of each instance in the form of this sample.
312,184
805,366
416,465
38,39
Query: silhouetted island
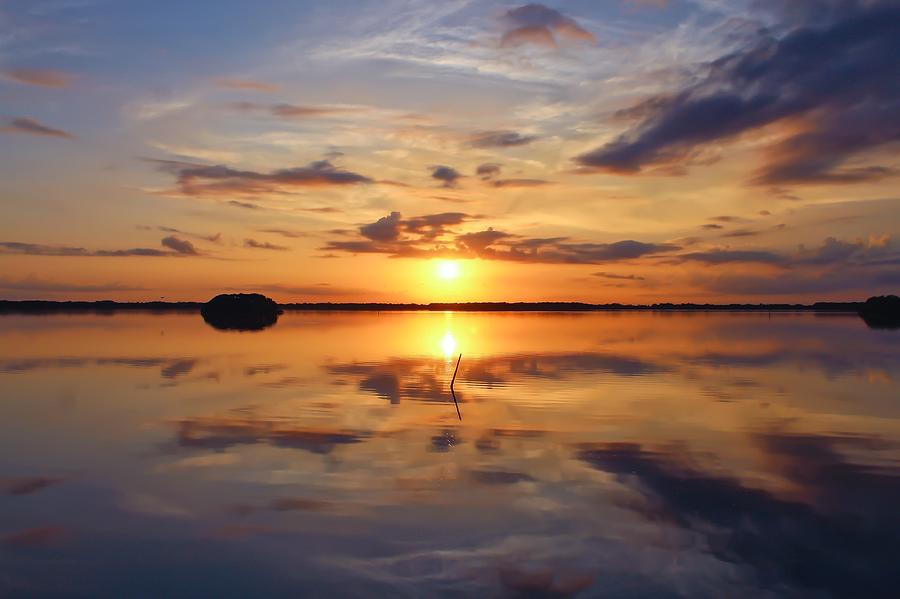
881,312
240,312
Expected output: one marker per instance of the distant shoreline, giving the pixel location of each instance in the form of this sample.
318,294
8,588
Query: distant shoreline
106,307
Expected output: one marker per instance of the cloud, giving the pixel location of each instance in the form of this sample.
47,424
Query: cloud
520,182
488,170
428,227
264,245
499,139
315,290
294,111
432,236
214,238
32,127
200,180
247,85
180,246
42,536
286,233
39,77
617,277
27,485
834,86
244,205
723,256
32,284
446,174
539,25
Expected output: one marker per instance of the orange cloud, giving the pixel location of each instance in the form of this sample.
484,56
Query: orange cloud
247,85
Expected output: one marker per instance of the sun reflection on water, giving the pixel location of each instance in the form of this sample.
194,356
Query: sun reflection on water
448,345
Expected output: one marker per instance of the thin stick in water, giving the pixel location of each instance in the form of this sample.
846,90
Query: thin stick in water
452,392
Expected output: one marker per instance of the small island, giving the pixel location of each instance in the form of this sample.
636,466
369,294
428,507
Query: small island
240,312
881,312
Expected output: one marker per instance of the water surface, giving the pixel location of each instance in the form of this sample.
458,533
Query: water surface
598,455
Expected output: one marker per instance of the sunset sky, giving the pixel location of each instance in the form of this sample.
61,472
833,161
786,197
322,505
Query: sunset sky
453,150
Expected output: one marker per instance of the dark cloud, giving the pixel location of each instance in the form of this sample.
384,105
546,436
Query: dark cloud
431,226
285,233
27,485
616,276
539,25
264,245
201,180
386,228
324,209
446,174
719,256
430,236
245,205
32,127
180,246
214,238
836,82
742,233
500,139
834,250
488,170
519,182
40,77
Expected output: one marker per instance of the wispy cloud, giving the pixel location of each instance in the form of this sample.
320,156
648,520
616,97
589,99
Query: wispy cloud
539,25
32,127
39,77
201,180
247,85
500,139
175,247
32,284
295,111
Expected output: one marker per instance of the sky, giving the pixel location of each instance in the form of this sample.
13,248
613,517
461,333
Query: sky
631,151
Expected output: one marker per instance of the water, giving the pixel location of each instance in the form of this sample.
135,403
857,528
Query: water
598,455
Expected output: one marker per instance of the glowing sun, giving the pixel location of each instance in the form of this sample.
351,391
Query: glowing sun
448,269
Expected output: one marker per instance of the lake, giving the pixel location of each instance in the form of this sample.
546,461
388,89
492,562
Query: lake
597,455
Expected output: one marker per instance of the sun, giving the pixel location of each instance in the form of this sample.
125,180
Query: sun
448,269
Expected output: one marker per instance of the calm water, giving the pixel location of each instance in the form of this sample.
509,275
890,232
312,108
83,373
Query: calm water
599,455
